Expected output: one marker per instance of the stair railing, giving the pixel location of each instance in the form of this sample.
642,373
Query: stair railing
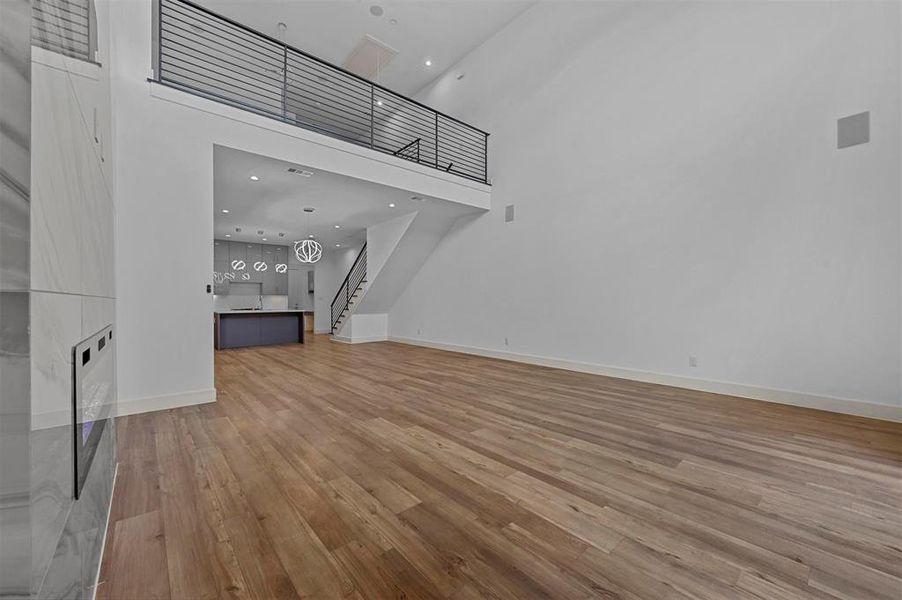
349,289
410,151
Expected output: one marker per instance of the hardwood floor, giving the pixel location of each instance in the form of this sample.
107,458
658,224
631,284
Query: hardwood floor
391,471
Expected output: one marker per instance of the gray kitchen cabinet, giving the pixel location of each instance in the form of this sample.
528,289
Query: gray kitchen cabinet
220,251
226,253
269,276
269,282
268,252
254,256
220,285
238,258
282,278
237,251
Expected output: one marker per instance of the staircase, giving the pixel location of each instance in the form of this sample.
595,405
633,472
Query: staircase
349,292
393,254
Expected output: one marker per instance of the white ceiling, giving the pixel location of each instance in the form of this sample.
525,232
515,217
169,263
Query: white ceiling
275,202
442,30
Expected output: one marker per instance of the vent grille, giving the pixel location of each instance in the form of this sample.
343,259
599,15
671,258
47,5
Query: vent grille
300,172
369,57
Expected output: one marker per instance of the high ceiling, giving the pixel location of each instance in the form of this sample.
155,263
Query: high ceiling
443,31
274,203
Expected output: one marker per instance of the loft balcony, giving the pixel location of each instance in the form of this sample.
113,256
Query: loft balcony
203,53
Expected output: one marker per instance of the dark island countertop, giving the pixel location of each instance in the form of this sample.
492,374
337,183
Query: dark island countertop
255,311
255,327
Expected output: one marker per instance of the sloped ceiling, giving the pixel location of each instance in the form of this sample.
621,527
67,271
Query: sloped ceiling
443,31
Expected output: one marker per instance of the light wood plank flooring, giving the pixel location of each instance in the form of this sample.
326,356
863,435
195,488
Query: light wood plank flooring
391,471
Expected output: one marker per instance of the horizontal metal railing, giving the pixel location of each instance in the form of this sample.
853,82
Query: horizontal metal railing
65,27
213,56
348,289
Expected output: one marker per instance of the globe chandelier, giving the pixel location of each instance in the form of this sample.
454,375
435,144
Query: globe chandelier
308,251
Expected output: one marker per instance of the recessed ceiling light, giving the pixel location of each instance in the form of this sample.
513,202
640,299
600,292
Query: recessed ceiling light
376,10
228,235
310,236
428,63
391,205
338,245
378,102
254,178
338,227
264,239
459,76
393,21
225,210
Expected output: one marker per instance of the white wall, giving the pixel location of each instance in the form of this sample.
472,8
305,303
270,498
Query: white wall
363,328
164,141
679,192
299,295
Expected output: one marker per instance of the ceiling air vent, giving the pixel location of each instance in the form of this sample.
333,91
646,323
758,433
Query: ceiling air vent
369,57
300,172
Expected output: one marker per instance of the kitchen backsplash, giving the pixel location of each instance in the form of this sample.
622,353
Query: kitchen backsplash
232,301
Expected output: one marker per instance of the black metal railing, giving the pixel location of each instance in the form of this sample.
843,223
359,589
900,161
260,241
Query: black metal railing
210,55
65,26
350,288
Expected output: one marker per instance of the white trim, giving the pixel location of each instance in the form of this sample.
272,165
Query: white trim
61,62
362,340
886,412
165,402
106,529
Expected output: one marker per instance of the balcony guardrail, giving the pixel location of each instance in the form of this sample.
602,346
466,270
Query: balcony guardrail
210,55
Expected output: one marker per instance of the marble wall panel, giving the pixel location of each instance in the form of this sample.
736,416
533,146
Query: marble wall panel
15,350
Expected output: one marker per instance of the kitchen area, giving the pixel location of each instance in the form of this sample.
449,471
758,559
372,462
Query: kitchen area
262,295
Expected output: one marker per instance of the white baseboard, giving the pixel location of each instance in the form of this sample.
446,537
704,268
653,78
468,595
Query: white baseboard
164,402
361,340
872,410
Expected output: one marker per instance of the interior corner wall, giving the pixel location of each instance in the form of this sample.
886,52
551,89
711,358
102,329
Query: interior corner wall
679,196
164,141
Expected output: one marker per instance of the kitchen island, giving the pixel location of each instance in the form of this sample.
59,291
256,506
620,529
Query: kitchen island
243,328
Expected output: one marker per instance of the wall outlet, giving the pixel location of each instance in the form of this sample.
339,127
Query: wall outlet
693,360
